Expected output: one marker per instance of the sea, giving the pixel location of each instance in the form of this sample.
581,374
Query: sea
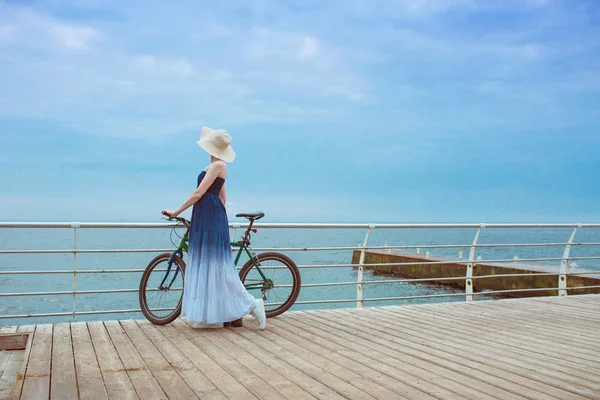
152,238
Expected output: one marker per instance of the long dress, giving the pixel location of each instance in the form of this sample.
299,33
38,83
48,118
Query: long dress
212,290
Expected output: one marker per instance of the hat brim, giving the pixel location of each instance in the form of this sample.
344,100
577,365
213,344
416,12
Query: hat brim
227,154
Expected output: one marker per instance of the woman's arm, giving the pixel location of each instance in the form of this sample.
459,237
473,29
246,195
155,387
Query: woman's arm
223,195
213,171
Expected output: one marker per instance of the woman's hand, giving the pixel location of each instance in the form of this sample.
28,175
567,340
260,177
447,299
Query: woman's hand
169,213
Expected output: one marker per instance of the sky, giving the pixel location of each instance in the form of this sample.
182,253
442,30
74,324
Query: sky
340,110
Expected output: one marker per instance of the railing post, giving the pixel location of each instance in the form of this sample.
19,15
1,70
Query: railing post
75,225
470,266
361,266
235,227
562,277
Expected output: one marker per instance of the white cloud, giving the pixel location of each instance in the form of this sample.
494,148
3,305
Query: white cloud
309,47
223,72
273,59
170,67
73,37
148,72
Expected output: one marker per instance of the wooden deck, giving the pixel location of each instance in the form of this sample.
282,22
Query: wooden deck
538,348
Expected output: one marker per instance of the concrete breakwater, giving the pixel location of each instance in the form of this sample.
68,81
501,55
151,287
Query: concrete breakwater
448,267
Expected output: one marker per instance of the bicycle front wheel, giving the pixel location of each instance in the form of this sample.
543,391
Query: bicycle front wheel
281,286
161,289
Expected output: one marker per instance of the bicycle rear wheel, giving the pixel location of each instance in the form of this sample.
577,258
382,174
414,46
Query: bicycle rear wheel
161,289
282,286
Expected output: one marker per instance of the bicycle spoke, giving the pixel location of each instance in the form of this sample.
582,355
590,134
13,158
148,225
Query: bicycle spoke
278,275
162,301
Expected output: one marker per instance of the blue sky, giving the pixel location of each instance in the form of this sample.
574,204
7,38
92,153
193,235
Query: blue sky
341,110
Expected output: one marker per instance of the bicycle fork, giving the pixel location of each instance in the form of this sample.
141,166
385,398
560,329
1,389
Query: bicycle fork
174,254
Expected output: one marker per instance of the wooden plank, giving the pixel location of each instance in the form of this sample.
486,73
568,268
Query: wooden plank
340,370
505,331
556,318
9,372
479,332
13,341
144,383
9,358
245,376
310,365
460,380
228,385
63,384
547,310
10,363
519,376
264,371
551,316
289,371
171,383
116,380
37,377
384,358
5,356
466,342
89,376
193,377
14,374
285,327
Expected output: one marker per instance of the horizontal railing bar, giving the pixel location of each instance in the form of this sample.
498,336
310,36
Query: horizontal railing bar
461,261
146,225
514,291
387,281
534,274
458,294
87,251
97,271
295,249
450,261
583,287
79,271
89,225
536,244
62,293
63,314
420,246
376,282
426,296
478,262
325,301
68,314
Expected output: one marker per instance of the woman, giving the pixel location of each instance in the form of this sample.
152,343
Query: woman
212,291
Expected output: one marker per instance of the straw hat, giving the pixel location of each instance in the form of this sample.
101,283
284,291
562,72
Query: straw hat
217,143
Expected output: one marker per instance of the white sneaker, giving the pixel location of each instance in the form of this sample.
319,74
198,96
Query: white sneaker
205,325
259,313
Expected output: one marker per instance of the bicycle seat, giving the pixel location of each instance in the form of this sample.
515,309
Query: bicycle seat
253,216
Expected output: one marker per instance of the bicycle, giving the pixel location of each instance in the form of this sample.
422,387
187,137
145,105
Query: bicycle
161,286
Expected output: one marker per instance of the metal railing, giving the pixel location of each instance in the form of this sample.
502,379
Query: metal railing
363,248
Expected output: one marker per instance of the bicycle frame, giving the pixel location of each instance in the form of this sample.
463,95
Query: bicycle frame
251,255
243,247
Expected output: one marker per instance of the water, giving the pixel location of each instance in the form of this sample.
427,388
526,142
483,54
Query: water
42,239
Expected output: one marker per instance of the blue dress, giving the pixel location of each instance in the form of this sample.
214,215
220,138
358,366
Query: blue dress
212,290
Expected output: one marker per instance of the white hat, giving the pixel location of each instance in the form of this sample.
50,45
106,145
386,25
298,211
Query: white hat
217,143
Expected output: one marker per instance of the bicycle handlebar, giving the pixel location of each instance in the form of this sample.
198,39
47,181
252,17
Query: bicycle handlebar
178,219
